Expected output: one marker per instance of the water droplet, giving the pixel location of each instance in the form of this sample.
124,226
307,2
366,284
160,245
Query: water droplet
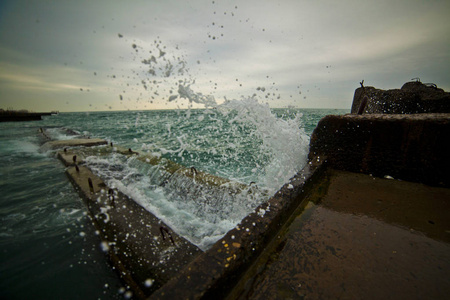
149,282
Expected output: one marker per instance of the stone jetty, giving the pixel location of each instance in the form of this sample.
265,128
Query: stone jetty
52,145
146,252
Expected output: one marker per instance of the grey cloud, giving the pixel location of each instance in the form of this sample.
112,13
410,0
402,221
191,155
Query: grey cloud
327,46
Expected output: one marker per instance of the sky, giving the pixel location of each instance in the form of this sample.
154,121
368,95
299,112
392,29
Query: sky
131,55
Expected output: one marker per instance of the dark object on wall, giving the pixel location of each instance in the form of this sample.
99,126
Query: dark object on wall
413,98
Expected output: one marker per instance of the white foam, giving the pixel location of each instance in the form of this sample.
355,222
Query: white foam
182,204
25,146
285,141
61,134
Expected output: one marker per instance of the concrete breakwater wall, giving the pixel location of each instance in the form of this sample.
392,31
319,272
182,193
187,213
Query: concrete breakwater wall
411,147
215,273
412,98
168,166
301,239
144,250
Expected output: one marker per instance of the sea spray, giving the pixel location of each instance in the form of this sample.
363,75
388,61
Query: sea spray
185,91
200,212
284,141
240,140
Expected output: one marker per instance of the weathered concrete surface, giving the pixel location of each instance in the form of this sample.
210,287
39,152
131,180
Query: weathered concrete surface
70,158
72,143
215,273
314,238
284,250
144,250
358,237
412,98
136,274
335,235
408,147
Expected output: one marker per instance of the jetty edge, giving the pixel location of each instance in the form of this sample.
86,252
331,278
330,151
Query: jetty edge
143,250
367,217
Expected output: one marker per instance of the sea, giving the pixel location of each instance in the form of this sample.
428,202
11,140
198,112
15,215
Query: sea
49,248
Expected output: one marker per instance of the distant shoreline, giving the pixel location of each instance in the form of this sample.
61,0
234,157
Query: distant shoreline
22,115
186,109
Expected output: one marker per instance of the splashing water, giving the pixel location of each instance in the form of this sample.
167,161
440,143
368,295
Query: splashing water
186,92
284,141
242,141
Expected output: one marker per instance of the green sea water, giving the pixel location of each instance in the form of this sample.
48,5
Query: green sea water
49,249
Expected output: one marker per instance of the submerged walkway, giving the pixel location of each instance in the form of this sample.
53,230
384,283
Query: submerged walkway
360,237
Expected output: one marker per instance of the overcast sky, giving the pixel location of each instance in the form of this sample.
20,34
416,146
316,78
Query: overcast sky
117,55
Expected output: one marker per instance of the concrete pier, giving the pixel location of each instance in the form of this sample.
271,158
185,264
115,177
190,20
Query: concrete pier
360,237
144,250
215,273
366,218
172,168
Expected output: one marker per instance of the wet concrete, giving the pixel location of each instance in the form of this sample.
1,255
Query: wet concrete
358,237
70,157
145,251
52,145
216,272
411,147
